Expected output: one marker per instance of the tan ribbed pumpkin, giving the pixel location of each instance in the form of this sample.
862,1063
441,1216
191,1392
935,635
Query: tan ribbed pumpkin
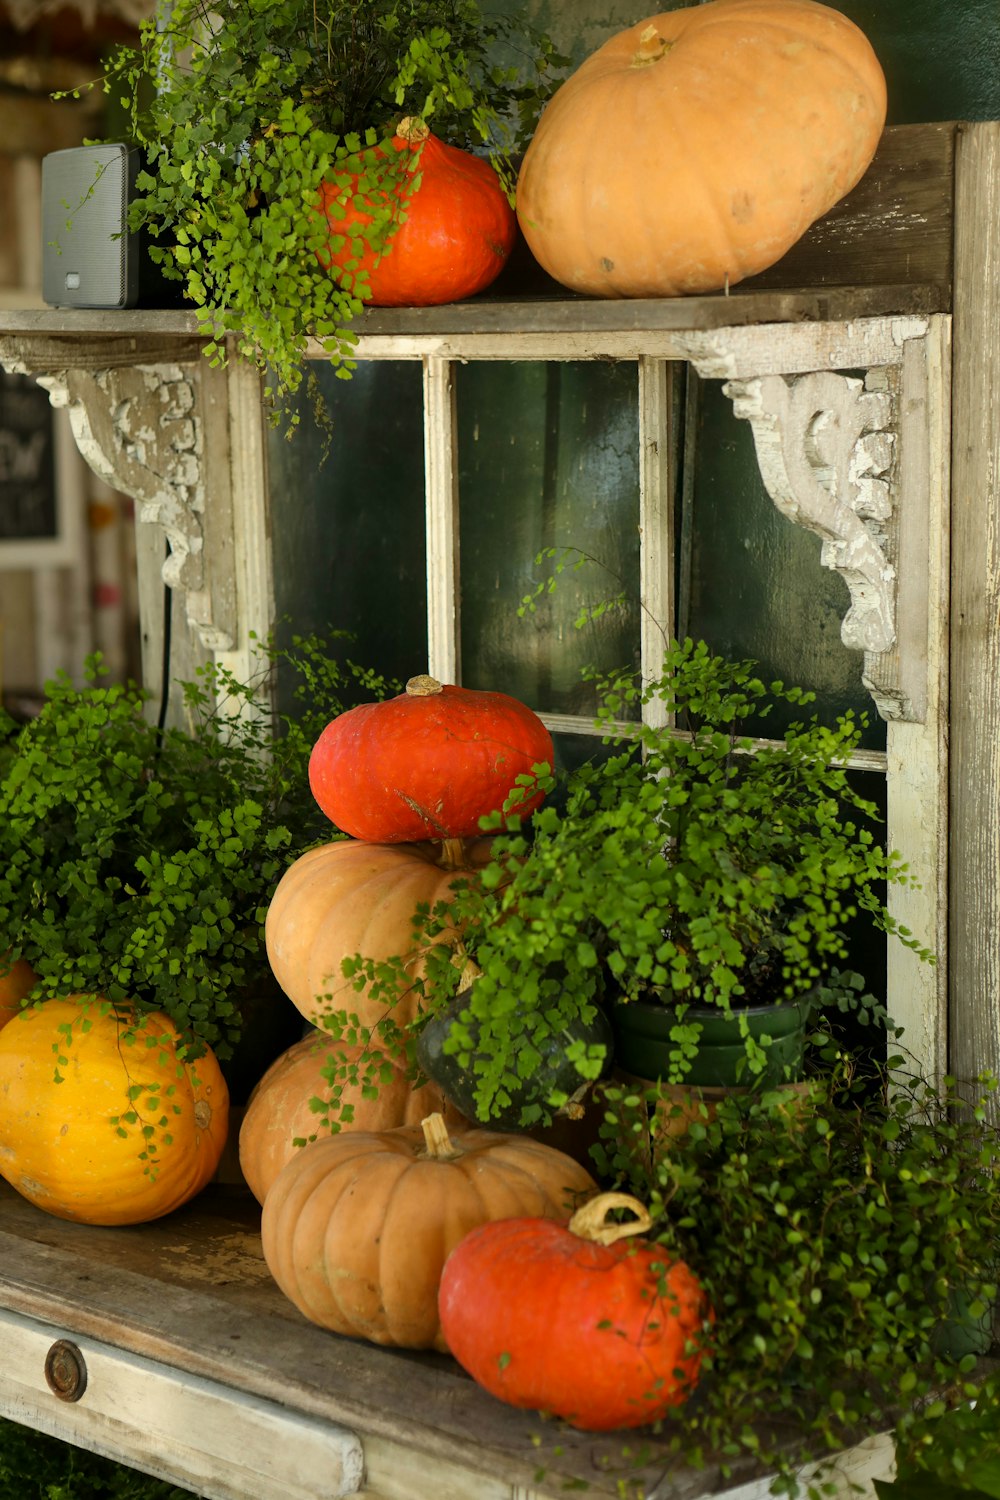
352,897
357,1227
16,979
694,148
278,1111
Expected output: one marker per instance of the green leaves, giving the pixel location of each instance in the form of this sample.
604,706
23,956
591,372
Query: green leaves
242,118
137,863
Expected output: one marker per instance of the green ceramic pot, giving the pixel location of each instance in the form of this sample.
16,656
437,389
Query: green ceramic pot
643,1046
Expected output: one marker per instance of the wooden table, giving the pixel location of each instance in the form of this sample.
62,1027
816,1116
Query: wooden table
186,1360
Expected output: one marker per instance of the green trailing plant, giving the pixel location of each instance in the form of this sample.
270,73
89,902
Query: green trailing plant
687,866
34,1466
949,1451
242,110
847,1243
136,862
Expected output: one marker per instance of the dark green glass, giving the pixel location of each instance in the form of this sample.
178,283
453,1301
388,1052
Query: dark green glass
348,533
548,457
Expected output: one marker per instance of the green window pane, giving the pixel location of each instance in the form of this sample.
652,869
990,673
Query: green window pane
348,534
548,458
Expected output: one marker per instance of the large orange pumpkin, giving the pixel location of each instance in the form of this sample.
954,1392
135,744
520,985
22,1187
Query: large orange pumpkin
427,764
278,1111
456,229
351,897
100,1119
357,1227
695,147
17,978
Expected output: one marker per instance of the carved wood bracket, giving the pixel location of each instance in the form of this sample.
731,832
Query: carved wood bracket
140,428
825,452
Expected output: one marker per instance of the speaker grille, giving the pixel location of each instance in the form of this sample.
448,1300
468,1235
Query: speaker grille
88,254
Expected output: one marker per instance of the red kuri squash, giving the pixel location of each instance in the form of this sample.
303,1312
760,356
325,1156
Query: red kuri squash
454,234
694,148
427,764
576,1320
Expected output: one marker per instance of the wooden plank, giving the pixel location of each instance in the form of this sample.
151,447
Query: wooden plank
191,1292
219,1442
656,523
444,657
738,351
975,648
57,338
894,227
917,751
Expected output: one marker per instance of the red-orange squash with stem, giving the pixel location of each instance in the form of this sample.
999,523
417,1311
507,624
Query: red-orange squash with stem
579,1321
357,1227
103,1119
279,1110
352,897
427,764
694,148
452,233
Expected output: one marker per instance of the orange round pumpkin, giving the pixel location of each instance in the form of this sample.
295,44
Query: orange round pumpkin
454,234
694,148
278,1111
427,764
357,1227
17,978
102,1120
576,1319
352,897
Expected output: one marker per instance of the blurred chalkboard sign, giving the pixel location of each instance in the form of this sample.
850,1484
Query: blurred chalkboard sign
33,531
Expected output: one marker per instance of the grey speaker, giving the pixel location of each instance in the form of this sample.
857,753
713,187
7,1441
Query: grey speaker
90,258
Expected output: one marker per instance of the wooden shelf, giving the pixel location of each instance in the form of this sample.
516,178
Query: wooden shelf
192,1293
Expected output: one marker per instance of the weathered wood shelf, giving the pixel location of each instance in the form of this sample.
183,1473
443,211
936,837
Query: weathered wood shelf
190,1296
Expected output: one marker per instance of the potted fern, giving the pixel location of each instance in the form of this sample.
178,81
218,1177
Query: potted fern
680,879
243,112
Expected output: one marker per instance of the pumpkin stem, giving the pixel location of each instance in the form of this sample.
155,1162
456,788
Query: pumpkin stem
589,1221
436,1138
651,48
452,855
413,130
423,686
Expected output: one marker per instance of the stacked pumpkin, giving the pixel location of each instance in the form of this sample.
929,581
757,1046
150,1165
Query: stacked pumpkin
401,1234
408,781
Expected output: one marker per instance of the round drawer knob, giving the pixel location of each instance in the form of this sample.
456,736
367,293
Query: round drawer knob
66,1371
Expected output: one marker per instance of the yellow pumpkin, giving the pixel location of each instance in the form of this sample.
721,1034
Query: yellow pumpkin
102,1120
278,1112
357,1227
354,897
695,147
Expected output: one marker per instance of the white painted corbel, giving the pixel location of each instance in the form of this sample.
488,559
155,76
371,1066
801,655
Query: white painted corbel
139,428
826,454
